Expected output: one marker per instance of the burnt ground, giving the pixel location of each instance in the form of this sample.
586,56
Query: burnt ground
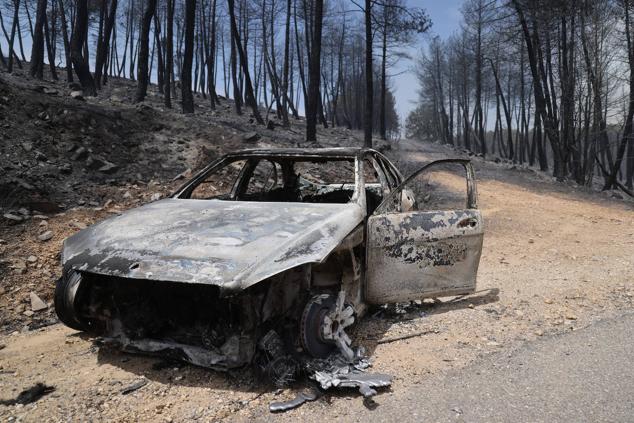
556,259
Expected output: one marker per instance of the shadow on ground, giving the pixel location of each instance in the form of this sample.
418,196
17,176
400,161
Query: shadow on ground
377,325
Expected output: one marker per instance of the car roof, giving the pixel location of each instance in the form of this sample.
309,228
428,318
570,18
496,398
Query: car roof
334,152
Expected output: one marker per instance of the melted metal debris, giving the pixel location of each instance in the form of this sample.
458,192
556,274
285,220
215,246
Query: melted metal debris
337,372
302,397
365,382
275,363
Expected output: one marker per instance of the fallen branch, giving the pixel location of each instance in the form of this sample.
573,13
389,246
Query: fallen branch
137,385
616,182
407,336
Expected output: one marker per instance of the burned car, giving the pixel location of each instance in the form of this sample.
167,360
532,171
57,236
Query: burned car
272,252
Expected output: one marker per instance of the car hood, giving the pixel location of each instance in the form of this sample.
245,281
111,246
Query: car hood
226,243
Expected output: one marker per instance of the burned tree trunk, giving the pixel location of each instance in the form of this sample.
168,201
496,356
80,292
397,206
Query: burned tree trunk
382,127
287,36
37,50
142,64
628,129
233,62
160,67
369,77
14,26
104,44
186,72
507,114
544,104
80,62
314,74
211,58
249,96
50,49
69,62
169,54
103,10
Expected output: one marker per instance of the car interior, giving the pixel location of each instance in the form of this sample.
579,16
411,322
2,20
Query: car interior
295,180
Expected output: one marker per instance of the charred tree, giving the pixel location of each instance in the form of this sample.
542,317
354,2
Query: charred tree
160,67
507,113
628,129
14,26
369,77
233,63
169,54
80,62
50,48
211,58
249,95
66,39
188,56
144,50
382,126
103,44
287,42
37,49
314,74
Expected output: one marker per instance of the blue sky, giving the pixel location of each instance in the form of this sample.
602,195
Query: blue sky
446,17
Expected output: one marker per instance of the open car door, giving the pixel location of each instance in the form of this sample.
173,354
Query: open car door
425,239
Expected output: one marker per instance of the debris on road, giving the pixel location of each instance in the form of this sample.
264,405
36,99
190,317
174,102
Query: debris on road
37,304
406,336
301,398
337,372
134,387
45,236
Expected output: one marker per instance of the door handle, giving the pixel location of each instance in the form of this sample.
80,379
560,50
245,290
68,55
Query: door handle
470,222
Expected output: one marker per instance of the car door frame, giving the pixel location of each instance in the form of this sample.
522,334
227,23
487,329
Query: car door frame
455,225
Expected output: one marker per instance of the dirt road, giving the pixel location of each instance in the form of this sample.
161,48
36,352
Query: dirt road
555,259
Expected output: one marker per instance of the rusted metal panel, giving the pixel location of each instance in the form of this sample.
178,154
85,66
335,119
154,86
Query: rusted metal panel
422,254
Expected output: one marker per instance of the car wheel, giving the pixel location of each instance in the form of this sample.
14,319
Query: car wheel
65,291
323,325
312,319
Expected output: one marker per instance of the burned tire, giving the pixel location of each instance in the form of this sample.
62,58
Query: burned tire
310,330
65,293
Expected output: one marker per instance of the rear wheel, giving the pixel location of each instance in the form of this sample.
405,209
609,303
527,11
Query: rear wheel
65,293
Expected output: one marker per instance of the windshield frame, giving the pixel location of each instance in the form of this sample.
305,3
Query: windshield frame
185,191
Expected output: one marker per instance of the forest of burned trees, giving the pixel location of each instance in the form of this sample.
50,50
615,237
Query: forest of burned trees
273,57
544,82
